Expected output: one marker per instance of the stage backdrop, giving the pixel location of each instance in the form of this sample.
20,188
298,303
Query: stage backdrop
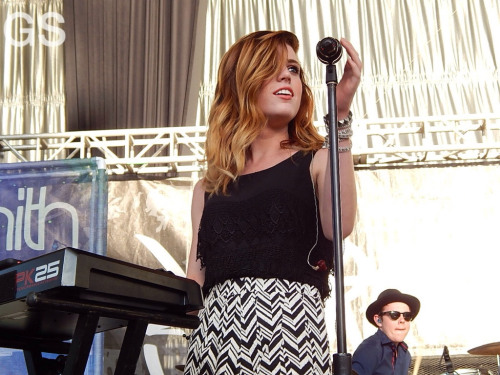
149,224
47,206
431,232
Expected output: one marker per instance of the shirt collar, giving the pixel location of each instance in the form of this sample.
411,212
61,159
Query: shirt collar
384,340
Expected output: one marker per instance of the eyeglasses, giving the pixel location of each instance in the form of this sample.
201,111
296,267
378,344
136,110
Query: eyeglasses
408,316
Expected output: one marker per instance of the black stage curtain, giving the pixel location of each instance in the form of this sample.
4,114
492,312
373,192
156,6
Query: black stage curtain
128,62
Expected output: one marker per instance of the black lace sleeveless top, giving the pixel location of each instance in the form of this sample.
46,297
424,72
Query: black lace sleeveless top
265,227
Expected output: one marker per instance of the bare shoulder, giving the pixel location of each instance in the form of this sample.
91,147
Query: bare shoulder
198,193
321,154
199,187
320,161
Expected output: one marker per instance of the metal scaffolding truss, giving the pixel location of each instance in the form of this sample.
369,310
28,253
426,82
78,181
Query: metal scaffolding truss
427,141
174,151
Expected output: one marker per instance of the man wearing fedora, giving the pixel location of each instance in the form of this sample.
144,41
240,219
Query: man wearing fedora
386,352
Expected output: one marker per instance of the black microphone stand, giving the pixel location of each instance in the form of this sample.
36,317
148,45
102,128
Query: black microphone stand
329,52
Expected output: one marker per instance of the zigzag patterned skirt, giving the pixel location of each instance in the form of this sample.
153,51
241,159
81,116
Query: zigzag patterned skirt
260,326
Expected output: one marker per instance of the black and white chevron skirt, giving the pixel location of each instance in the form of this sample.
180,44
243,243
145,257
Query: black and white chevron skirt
260,326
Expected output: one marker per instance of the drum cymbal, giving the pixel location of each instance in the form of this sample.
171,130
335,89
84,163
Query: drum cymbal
488,349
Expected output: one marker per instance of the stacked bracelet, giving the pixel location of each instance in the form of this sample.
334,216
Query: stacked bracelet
345,123
346,148
344,131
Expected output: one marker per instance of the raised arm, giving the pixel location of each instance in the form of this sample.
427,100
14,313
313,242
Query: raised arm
321,166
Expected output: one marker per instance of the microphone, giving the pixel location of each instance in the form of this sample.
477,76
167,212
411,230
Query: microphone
329,50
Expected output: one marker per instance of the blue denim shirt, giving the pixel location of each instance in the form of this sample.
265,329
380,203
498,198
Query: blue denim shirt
374,356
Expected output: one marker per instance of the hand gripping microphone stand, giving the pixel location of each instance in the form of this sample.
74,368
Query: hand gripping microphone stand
329,52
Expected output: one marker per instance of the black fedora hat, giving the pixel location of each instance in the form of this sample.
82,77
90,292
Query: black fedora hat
389,296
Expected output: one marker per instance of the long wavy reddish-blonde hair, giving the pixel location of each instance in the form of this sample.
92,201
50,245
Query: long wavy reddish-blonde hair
235,120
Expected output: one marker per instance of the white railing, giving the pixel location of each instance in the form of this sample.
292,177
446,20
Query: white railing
425,141
377,143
